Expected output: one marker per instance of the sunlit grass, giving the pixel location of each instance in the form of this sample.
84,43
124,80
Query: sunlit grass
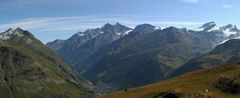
189,85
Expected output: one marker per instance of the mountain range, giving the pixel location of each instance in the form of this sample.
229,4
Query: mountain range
215,74
116,57
81,46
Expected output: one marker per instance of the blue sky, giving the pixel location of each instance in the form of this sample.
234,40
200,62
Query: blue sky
59,19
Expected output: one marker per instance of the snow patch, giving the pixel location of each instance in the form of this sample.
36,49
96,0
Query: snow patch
228,32
157,28
228,40
215,28
80,34
119,34
223,41
199,29
127,32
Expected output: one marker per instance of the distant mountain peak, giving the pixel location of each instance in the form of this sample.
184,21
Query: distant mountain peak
209,27
172,27
230,29
116,29
145,28
209,23
59,40
145,25
117,24
228,26
107,26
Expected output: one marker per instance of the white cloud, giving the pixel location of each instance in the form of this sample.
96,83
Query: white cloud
227,6
190,1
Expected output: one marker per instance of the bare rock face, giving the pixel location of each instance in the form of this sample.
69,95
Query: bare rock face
15,65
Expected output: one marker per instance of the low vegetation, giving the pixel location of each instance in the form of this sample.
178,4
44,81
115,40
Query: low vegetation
217,82
229,84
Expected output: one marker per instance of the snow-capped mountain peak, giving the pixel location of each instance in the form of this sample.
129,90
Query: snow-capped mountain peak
208,27
10,33
228,26
229,30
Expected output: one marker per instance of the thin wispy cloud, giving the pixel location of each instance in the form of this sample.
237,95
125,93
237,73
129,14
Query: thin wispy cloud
60,24
190,1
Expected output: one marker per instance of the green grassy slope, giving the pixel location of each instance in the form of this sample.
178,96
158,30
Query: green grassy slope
29,69
219,82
